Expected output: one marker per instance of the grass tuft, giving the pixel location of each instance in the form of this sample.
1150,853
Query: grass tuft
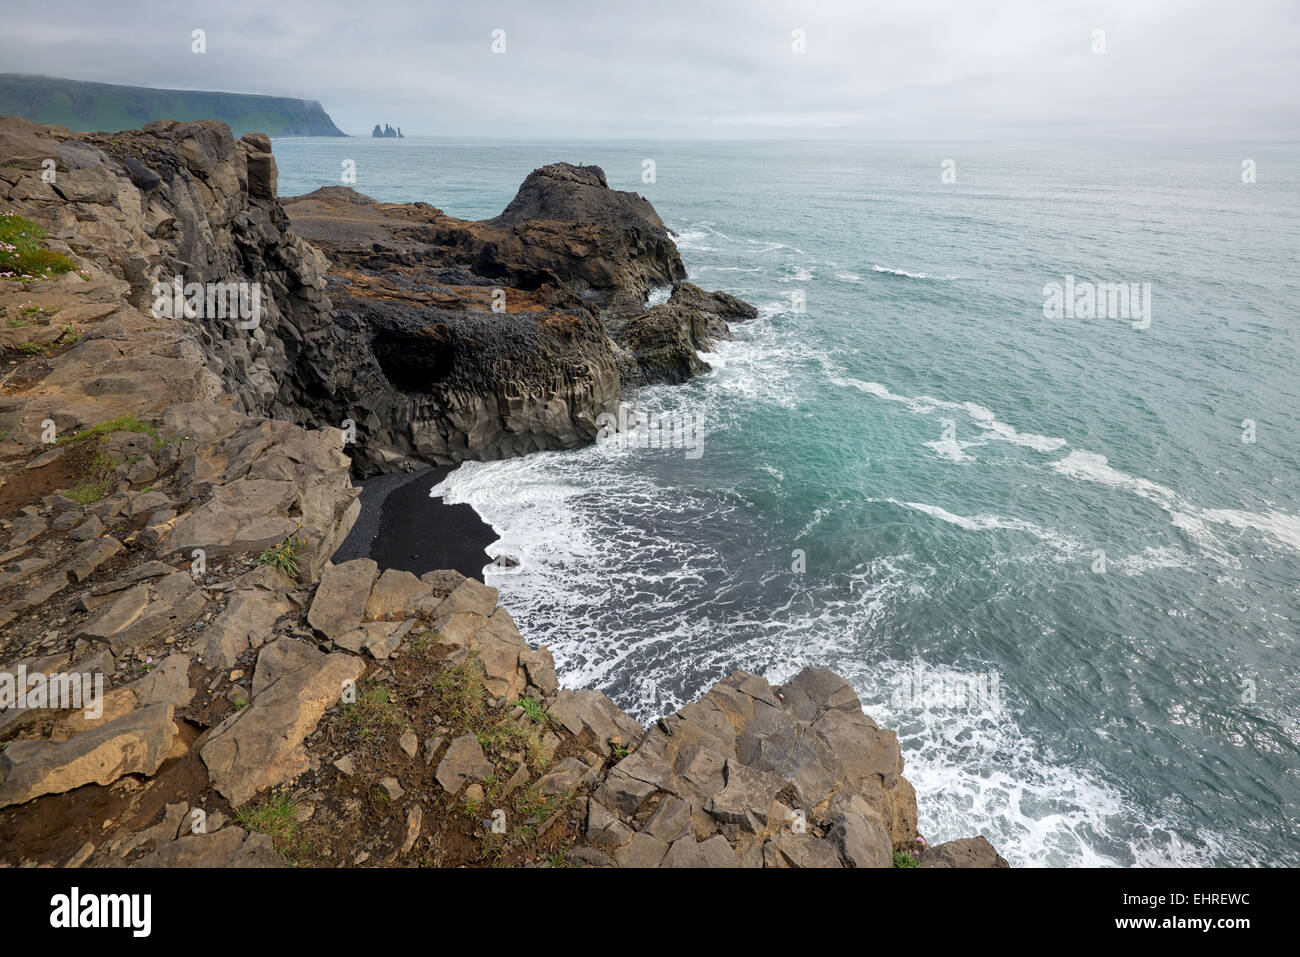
285,555
373,711
21,254
123,423
277,817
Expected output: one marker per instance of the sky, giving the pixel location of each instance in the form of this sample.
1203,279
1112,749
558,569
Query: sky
706,69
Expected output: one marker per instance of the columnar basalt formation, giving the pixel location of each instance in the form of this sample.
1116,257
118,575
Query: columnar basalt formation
458,340
172,487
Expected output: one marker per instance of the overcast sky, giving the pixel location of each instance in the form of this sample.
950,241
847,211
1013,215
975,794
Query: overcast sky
924,69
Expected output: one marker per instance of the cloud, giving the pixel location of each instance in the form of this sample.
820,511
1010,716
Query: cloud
724,68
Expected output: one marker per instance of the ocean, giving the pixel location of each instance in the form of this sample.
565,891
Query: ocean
1059,555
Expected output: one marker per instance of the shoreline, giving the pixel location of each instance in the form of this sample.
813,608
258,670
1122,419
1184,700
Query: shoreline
178,537
402,526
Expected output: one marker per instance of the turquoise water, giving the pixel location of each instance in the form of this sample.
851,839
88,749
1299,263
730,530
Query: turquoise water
1062,509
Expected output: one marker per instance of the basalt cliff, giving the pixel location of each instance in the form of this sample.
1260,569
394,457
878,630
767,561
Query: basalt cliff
174,482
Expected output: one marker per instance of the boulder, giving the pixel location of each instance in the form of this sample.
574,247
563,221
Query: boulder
395,595
262,745
464,762
136,743
282,657
686,852
341,596
862,841
246,619
965,852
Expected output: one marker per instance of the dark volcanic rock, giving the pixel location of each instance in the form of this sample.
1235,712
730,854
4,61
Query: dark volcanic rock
432,340
665,341
462,340
635,251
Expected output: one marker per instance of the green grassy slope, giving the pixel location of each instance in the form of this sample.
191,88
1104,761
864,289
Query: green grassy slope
101,106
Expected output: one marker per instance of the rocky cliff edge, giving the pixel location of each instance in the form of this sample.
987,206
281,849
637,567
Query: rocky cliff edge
165,539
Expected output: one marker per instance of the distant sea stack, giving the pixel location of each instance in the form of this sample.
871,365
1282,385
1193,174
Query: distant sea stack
84,107
387,130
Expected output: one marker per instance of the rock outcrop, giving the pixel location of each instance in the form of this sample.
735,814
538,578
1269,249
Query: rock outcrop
458,340
435,340
173,487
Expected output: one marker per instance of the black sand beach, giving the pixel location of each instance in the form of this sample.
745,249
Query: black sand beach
402,527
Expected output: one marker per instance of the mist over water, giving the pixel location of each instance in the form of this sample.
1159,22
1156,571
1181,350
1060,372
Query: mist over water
949,463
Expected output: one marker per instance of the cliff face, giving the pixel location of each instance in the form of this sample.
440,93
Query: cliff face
106,106
166,522
439,339
459,340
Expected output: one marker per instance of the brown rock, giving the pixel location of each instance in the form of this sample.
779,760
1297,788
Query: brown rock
262,745
136,743
964,852
341,597
463,762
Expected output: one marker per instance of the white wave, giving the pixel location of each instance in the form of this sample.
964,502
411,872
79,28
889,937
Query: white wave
771,245
908,275
1093,467
1193,520
813,522
985,522
1282,528
848,277
658,296
983,418
981,772
690,236
952,449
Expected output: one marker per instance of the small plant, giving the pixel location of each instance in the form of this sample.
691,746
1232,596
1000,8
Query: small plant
533,708
285,555
277,817
240,704
97,480
21,254
31,348
123,423
18,323
372,711
906,859
457,693
89,491
147,665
